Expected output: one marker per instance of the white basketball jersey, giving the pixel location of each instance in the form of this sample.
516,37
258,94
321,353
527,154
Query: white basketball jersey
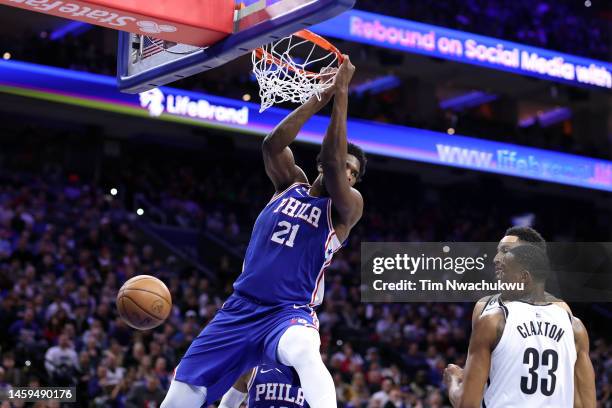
533,363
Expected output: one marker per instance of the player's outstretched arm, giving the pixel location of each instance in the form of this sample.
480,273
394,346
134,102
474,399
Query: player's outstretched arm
278,158
466,387
347,201
236,395
584,375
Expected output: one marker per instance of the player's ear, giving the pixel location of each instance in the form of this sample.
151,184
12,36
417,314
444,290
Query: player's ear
526,276
319,167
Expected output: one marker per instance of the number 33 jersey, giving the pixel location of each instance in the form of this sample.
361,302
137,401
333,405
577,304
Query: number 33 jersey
533,363
292,243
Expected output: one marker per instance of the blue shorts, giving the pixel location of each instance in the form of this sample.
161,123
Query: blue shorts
242,335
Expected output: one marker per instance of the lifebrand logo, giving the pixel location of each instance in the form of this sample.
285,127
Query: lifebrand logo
157,103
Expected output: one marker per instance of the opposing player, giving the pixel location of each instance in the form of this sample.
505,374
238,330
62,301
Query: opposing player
526,352
270,317
266,386
513,237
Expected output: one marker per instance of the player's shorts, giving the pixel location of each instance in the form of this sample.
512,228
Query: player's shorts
242,335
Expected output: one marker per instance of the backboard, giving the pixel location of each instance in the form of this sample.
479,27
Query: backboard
144,62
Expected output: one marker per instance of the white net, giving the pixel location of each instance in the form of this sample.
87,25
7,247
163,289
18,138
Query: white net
294,69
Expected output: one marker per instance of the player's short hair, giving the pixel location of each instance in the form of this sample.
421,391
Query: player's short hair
358,152
361,156
528,234
533,259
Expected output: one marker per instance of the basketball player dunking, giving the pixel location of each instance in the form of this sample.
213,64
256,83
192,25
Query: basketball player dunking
270,318
525,352
266,386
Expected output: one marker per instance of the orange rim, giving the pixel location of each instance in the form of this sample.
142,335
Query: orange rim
308,36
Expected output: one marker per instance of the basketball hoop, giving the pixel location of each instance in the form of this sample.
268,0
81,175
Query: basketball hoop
295,68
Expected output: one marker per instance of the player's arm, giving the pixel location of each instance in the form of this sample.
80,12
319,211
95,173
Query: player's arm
278,158
466,387
347,201
563,306
236,395
553,299
478,308
584,375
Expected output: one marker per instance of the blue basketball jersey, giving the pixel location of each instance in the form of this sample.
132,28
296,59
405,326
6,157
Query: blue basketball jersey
292,243
275,386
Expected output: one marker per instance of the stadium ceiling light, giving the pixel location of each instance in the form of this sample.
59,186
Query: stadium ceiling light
467,100
377,85
6,56
73,28
113,191
451,131
547,118
140,211
246,97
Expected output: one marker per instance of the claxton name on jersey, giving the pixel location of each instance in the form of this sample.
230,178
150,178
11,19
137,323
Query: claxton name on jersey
534,328
297,209
278,392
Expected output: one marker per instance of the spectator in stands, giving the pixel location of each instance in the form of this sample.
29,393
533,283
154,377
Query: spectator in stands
395,399
62,361
382,396
149,394
114,372
12,374
25,330
4,384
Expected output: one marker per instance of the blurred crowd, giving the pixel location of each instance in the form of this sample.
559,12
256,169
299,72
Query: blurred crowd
67,245
64,251
574,27
214,196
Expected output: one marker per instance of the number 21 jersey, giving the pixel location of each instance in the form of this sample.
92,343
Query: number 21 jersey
292,242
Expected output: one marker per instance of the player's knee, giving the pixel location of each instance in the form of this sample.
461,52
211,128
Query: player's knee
182,395
299,344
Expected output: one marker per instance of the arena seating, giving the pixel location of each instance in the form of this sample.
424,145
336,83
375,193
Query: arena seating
66,246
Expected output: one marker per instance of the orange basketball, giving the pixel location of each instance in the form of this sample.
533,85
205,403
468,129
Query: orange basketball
144,302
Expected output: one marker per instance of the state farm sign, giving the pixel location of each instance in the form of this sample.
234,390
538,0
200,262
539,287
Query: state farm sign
153,18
